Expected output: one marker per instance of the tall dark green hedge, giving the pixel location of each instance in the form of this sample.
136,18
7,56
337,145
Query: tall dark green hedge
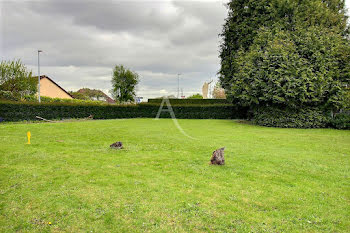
341,121
291,118
18,111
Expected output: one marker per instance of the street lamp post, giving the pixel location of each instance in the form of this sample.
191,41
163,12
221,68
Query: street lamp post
178,85
39,51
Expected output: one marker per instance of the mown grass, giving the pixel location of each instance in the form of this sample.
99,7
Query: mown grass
275,180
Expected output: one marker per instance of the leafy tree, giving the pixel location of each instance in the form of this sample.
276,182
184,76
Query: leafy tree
309,67
286,54
124,82
16,80
195,96
347,99
245,18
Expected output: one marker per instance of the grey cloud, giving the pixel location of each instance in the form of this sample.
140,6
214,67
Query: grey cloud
113,15
82,41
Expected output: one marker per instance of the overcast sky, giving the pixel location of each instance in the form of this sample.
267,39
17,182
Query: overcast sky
83,40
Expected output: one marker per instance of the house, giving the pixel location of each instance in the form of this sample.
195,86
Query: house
98,95
49,88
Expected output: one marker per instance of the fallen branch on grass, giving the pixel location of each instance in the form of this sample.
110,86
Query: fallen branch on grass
91,117
46,119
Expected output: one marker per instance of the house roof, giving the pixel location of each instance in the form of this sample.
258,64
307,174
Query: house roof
44,76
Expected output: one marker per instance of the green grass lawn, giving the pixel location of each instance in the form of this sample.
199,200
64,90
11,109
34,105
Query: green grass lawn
274,180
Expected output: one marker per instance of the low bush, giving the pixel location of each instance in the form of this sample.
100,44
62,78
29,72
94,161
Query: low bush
341,121
7,95
17,111
290,118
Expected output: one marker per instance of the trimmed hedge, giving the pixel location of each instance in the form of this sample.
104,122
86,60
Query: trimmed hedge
18,111
45,99
191,101
341,121
290,118
8,96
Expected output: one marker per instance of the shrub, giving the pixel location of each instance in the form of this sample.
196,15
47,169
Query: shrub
7,95
290,118
195,96
341,121
17,111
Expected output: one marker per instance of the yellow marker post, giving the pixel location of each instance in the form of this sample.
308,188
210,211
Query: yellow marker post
28,136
